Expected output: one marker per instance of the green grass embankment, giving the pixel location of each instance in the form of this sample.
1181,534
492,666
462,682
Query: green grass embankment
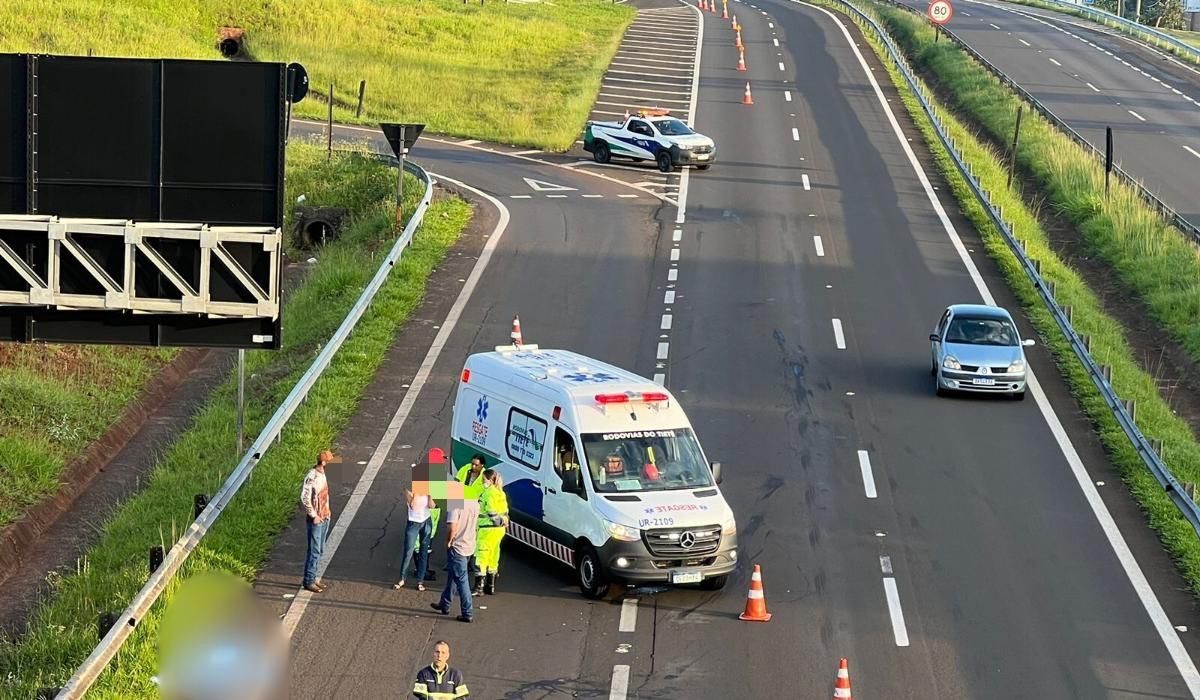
961,78
63,630
519,73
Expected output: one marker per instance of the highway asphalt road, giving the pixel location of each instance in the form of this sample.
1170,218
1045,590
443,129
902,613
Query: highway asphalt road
1093,77
977,566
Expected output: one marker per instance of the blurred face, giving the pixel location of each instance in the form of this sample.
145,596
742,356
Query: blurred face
614,464
476,466
441,655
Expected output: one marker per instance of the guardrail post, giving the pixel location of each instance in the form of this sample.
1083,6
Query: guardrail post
48,693
106,622
362,89
1106,370
1037,266
1158,450
1131,406
156,557
1053,288
199,503
1087,343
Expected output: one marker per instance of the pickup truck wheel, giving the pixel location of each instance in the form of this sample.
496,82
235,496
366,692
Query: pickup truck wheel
602,154
664,162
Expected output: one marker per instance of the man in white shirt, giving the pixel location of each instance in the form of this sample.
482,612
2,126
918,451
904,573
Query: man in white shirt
314,496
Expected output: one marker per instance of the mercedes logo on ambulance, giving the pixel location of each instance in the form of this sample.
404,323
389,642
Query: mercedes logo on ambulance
687,540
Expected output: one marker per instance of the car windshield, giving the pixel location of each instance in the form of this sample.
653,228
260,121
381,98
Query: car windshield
672,127
981,331
645,460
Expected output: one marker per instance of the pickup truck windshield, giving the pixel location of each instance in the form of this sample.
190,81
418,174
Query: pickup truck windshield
645,460
672,127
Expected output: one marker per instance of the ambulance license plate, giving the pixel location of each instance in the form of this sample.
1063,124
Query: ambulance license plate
686,577
984,382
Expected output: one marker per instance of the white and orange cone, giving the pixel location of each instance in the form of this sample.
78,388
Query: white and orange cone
756,602
517,340
841,691
747,99
738,43
725,9
742,62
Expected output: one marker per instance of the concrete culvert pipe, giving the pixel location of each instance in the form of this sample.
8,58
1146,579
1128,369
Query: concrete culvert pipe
230,48
231,41
317,226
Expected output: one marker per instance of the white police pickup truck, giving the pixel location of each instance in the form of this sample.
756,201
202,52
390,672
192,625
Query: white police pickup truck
651,134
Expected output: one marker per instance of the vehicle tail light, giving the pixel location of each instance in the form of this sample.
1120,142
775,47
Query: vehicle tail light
466,375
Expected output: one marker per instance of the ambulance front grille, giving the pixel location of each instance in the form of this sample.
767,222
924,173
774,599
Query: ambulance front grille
670,541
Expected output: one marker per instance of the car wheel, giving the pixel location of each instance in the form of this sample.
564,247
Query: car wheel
593,581
664,162
937,385
715,583
704,167
1019,396
602,154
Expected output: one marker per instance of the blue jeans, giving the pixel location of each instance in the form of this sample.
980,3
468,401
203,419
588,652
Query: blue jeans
415,532
457,578
317,533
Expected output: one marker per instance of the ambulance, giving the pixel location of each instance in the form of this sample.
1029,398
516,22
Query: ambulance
602,469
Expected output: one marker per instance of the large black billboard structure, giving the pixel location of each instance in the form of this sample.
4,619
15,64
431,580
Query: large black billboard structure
141,200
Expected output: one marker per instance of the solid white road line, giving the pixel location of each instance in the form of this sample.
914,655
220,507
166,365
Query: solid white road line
787,95
1055,62
838,338
795,134
295,611
1158,617
685,177
894,609
1093,87
864,465
1024,42
666,322
819,246
663,349
804,181
628,615
470,142
1191,150
1136,114
620,683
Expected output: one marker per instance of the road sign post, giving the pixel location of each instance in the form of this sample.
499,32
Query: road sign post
401,137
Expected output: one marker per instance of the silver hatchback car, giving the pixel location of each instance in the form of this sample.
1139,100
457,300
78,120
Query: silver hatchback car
978,348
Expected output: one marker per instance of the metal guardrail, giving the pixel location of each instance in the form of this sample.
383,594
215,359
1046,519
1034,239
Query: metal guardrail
1149,197
1105,17
91,668
1143,447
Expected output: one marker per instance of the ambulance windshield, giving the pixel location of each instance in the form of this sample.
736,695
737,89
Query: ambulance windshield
645,460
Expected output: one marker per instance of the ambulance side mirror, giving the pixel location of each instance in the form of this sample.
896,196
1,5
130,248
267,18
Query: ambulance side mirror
716,470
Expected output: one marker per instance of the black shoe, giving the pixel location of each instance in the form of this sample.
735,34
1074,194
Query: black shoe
478,590
489,584
440,609
430,576
464,618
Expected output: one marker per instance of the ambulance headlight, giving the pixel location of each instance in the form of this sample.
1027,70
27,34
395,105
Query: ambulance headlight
729,528
622,532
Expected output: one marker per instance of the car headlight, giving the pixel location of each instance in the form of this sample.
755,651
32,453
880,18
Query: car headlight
685,146
729,528
951,363
622,532
1016,366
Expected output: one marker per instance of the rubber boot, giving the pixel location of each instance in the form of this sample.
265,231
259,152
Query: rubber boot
489,584
478,586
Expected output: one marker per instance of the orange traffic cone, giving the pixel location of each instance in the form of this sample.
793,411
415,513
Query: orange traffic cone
736,26
841,691
738,43
746,98
756,604
742,61
725,9
517,340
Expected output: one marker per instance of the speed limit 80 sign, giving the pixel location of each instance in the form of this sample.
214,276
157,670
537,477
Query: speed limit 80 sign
940,11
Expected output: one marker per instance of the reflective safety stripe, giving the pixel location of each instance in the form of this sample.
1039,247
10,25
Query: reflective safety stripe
754,595
541,543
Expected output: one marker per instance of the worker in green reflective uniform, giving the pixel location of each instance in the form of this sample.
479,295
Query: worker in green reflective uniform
493,520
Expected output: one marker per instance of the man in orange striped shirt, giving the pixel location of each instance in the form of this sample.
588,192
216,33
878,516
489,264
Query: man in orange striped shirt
314,496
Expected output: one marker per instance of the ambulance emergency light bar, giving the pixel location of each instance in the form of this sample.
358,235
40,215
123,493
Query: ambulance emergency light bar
632,397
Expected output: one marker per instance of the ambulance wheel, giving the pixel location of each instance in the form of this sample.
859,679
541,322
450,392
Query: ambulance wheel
593,581
715,583
704,167
664,162
602,154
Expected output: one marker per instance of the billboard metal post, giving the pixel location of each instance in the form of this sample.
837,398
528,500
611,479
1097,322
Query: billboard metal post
241,397
329,126
1108,158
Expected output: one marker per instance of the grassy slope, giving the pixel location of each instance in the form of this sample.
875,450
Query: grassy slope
63,631
515,73
1155,418
54,401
